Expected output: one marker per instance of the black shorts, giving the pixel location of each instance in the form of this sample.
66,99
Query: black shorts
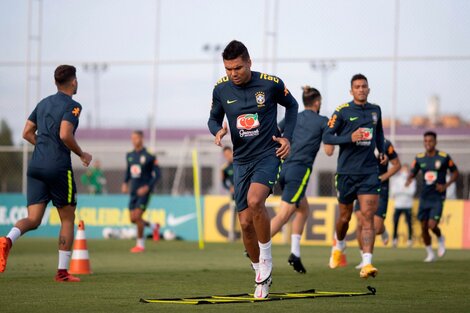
383,203
430,209
139,202
349,187
264,171
294,180
45,185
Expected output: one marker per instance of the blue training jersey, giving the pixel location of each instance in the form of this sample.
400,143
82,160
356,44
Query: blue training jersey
142,169
251,112
50,151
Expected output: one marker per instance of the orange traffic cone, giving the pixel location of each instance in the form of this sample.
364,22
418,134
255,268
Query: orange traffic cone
80,263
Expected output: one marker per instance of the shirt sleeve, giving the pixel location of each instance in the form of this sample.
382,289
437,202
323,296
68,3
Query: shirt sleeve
33,117
285,98
217,114
450,164
391,153
330,136
72,113
414,168
380,139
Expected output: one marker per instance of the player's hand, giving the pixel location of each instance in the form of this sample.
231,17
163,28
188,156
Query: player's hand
357,135
124,188
441,187
232,190
408,181
86,158
142,191
383,159
220,134
283,151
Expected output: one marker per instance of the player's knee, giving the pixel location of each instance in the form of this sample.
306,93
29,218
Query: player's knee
34,223
246,226
255,203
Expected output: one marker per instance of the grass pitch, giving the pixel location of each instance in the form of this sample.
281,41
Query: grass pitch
179,269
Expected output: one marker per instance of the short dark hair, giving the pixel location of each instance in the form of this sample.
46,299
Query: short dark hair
358,77
309,95
64,74
226,148
430,133
138,132
234,50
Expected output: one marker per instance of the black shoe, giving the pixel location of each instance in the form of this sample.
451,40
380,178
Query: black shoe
296,264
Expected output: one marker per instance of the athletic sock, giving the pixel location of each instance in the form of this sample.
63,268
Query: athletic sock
14,234
295,244
340,244
366,258
64,259
429,250
141,242
440,239
265,250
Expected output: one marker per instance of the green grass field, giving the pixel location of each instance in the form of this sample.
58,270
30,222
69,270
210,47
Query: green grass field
177,269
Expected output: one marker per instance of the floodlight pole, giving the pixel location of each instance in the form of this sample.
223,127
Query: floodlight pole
213,50
156,68
96,69
395,73
325,67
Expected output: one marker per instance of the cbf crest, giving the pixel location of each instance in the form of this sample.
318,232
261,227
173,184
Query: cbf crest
437,164
142,159
375,118
260,99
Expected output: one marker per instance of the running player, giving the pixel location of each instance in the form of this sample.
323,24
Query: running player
434,164
51,129
296,170
142,174
384,175
357,128
249,100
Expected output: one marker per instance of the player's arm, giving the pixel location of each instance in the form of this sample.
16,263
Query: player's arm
285,98
156,174
394,161
453,178
329,149
29,131
216,119
330,135
380,140
413,172
68,138
127,177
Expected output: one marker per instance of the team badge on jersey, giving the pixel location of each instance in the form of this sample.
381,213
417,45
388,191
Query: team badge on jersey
76,111
430,177
437,164
374,117
260,99
142,159
246,123
135,170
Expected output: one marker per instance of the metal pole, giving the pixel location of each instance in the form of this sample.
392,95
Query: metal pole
275,36
156,60
96,78
395,72
265,35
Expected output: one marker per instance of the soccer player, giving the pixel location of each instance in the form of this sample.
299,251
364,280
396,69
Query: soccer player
434,164
296,169
141,176
357,128
384,175
51,129
249,101
403,196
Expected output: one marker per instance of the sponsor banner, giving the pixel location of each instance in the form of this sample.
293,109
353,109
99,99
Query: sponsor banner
319,230
107,216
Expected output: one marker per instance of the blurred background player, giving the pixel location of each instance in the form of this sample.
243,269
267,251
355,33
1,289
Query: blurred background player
403,196
51,129
357,128
296,169
249,100
93,179
434,165
379,218
141,176
227,182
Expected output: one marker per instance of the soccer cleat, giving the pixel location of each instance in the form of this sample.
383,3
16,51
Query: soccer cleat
137,249
265,271
359,266
441,247
337,258
430,258
368,271
262,290
5,246
63,276
296,263
385,237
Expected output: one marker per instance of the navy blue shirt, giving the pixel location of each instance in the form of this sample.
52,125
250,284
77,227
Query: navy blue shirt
142,169
434,170
356,158
251,112
50,151
307,137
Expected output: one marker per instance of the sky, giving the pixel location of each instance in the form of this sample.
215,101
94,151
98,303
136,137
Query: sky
122,34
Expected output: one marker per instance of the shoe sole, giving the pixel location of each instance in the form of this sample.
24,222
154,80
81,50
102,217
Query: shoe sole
3,255
300,271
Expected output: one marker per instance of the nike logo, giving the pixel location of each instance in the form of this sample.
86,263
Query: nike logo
271,182
352,119
176,221
231,101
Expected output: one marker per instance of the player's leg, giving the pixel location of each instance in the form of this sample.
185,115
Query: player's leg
31,222
410,227
298,225
368,204
433,223
396,219
381,214
358,214
286,210
337,257
136,218
423,217
67,219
